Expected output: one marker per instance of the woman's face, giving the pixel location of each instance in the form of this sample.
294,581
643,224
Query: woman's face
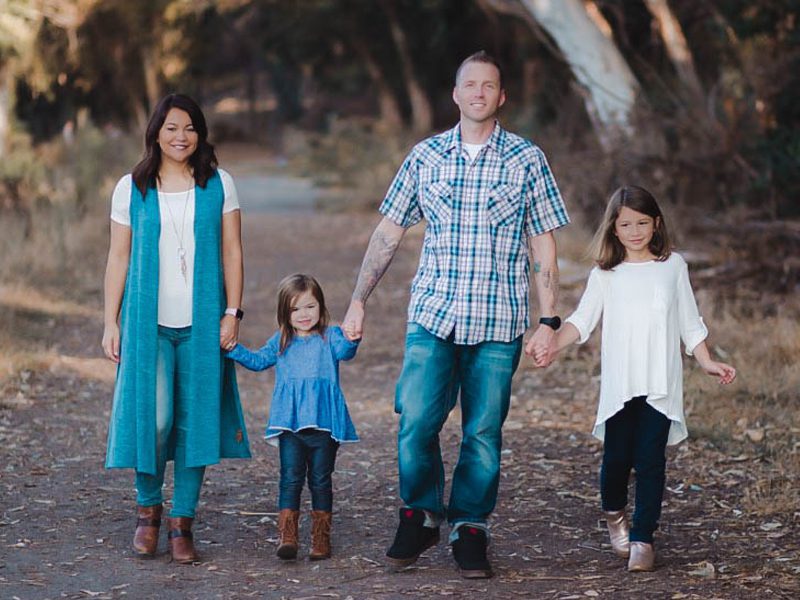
177,137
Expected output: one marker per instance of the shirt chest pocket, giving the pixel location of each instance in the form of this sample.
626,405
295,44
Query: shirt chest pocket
661,299
437,202
503,207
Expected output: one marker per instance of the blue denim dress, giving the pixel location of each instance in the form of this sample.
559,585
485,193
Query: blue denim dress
307,393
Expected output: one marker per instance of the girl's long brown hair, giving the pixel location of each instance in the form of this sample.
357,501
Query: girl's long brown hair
288,290
606,248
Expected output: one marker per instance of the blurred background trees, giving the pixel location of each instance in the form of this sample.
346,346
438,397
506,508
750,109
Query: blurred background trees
695,98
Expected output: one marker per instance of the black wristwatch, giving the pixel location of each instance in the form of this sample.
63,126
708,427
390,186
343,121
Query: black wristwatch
553,322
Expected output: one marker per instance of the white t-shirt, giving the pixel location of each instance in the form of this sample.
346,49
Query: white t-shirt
177,212
647,309
472,149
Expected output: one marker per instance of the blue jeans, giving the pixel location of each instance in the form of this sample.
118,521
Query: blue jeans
172,400
636,437
434,370
312,452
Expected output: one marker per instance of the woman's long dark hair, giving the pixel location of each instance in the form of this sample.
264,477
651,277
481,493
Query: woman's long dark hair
203,161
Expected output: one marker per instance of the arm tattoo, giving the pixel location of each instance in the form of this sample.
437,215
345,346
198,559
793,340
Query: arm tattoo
380,252
549,282
537,266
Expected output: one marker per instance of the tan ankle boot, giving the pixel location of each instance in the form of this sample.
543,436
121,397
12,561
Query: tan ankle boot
181,543
618,532
320,535
643,557
287,527
148,523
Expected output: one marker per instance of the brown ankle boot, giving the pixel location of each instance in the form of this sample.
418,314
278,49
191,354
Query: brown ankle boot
320,535
181,544
145,539
287,527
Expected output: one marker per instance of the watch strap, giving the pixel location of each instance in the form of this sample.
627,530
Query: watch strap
235,312
553,322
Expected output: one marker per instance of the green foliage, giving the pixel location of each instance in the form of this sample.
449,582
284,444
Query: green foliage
313,63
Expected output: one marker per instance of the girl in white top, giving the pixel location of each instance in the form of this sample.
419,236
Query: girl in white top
642,291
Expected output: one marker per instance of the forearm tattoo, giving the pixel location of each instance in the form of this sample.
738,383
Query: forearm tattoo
548,280
380,252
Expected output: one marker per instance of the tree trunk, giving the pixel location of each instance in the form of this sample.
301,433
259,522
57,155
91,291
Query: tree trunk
150,70
609,86
390,115
5,107
421,109
676,45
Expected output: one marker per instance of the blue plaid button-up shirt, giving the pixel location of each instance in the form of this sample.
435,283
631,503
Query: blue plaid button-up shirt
474,275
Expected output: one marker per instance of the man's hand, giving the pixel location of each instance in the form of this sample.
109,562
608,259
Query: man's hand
540,346
353,323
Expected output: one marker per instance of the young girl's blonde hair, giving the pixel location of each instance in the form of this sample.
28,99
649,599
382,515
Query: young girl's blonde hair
288,291
606,248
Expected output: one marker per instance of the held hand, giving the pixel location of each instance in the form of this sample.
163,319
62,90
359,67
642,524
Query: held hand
228,332
353,323
540,346
724,371
110,342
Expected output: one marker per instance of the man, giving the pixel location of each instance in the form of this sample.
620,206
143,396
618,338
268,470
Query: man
484,192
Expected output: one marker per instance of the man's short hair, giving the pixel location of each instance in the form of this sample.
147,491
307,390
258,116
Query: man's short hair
480,57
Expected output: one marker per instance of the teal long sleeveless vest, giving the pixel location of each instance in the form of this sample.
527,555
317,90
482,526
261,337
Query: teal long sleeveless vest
215,424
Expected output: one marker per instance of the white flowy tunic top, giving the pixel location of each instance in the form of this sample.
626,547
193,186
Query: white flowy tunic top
647,309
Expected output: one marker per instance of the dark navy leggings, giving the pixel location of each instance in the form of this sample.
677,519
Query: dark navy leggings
636,437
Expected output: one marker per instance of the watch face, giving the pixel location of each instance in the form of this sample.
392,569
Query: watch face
553,322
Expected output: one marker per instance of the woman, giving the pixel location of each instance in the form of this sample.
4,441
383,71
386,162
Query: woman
173,290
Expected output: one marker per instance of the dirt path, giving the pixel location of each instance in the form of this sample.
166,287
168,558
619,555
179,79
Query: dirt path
66,523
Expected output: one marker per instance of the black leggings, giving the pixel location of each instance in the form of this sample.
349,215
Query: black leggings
636,437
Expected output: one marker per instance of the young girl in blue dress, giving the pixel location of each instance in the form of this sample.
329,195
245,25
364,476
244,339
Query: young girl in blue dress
642,291
308,415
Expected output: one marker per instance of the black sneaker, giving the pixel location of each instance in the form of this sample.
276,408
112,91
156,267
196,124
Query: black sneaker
411,540
469,550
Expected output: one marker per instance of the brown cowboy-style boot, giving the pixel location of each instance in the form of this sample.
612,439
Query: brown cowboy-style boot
287,527
320,535
148,522
181,544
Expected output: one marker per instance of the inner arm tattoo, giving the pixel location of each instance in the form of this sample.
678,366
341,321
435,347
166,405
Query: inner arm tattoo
547,288
380,252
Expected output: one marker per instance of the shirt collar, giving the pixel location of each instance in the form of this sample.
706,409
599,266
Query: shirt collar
495,141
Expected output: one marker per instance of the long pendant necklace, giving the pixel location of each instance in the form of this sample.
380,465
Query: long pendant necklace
181,248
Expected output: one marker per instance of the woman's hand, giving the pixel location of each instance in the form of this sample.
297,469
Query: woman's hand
228,332
111,342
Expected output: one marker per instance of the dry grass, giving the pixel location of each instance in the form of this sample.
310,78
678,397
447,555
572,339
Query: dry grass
758,414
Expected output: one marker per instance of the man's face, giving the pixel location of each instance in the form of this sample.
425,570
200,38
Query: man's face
478,93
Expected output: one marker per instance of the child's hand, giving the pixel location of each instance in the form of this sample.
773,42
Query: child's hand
353,323
540,346
724,371
544,361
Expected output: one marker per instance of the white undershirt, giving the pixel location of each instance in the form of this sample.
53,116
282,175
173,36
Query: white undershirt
647,309
174,292
473,149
